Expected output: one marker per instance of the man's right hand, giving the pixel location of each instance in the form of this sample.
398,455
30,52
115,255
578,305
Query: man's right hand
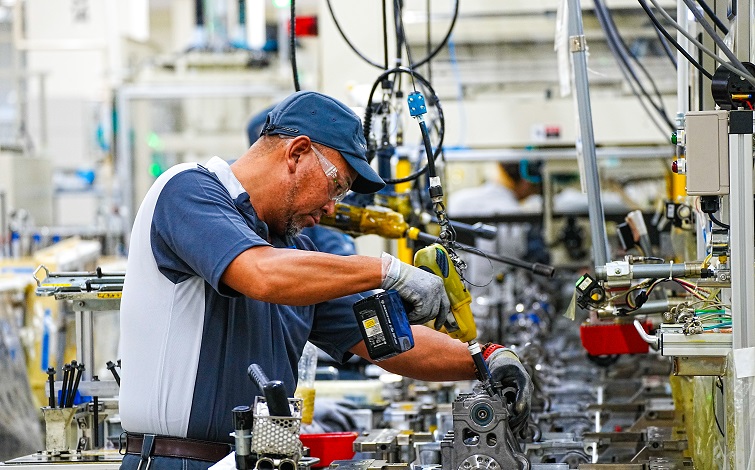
424,290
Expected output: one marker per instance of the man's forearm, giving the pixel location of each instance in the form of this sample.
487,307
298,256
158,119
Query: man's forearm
435,357
297,277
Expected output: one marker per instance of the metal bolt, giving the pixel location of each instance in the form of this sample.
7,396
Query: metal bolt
618,271
81,303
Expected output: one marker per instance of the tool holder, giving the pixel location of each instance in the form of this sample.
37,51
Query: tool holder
277,434
58,430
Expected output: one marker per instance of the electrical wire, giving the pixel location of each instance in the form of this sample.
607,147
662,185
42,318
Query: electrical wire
292,45
701,47
713,16
718,222
401,39
666,47
626,54
433,99
713,35
418,63
673,41
697,292
717,383
385,34
621,54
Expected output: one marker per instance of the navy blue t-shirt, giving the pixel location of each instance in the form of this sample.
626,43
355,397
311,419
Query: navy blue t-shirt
187,339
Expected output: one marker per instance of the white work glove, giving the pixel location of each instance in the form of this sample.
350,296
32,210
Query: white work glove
507,371
424,290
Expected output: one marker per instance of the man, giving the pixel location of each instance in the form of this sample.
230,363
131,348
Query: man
217,278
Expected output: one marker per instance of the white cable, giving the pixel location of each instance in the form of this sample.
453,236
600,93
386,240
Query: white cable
653,341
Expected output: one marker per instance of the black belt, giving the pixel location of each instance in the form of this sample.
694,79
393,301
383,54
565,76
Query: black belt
163,446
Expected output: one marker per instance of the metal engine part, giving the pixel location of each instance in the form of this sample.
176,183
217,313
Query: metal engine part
481,437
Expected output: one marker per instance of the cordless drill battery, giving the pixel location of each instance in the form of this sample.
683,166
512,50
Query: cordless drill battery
384,325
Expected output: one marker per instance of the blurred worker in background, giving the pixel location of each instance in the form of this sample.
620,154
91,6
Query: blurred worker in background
218,277
515,189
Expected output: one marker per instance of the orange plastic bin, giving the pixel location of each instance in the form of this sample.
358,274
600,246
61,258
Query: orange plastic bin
330,446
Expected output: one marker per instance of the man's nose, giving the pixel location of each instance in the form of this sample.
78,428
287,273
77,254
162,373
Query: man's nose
330,207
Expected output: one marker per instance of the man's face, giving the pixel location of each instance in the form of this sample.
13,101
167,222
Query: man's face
323,179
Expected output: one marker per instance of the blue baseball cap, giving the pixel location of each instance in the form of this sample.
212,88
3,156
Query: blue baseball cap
329,122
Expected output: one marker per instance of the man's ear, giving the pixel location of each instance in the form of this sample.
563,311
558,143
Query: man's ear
295,149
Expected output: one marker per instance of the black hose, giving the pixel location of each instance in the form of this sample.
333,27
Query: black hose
432,99
718,222
670,39
735,62
385,34
292,45
666,48
712,15
623,51
619,49
420,62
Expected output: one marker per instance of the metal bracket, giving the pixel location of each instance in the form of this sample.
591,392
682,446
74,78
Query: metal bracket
577,43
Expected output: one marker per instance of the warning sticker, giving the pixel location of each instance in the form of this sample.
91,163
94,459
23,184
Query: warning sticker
373,331
109,295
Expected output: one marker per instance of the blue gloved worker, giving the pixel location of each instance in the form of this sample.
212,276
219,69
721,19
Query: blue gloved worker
506,371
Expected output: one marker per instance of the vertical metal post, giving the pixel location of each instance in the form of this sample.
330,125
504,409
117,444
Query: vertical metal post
743,42
124,189
742,250
586,138
85,342
682,70
742,280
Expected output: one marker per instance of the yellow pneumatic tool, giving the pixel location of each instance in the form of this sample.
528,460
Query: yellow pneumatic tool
436,259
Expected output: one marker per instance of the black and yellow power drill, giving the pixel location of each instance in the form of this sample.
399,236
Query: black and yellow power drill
436,259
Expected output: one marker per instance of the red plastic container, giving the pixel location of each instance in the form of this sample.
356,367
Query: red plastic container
612,338
330,446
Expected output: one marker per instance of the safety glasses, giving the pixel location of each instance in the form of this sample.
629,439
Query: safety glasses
340,186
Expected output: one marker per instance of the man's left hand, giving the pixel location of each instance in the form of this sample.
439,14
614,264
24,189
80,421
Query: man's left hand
506,370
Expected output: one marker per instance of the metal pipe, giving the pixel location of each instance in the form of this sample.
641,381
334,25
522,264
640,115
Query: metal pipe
265,463
656,306
655,271
682,70
578,48
742,259
287,464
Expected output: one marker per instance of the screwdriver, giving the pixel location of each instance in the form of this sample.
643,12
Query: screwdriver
274,390
64,387
75,388
111,368
51,381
